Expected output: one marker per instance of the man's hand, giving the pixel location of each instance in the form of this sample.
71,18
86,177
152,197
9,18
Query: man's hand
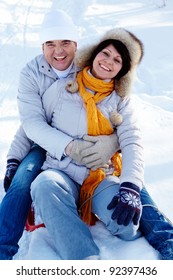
75,148
100,152
12,165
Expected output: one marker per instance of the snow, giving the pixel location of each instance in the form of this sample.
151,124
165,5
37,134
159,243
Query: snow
153,95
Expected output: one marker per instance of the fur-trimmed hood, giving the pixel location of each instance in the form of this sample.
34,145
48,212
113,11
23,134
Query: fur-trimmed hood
135,48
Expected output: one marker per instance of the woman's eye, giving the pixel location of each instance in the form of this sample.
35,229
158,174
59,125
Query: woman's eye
105,53
117,61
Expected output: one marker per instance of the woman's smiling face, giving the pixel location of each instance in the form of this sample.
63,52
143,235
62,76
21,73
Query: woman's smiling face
107,63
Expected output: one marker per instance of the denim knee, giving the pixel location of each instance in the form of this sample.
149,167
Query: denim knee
39,187
56,182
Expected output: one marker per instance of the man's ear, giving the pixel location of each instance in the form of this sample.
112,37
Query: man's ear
42,47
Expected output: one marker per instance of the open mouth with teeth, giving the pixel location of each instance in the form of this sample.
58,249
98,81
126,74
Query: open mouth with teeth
104,67
59,58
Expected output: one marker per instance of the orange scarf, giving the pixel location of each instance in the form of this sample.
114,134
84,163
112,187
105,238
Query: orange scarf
98,124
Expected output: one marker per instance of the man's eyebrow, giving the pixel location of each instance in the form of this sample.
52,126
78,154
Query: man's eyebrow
48,42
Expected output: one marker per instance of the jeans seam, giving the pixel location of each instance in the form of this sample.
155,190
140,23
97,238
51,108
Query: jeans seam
94,195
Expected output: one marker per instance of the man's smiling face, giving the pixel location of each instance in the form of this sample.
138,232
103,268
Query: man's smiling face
59,53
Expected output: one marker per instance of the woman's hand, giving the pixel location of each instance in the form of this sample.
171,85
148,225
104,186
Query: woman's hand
108,168
126,204
93,151
99,154
75,148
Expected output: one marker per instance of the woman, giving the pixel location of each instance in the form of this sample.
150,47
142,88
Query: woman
111,195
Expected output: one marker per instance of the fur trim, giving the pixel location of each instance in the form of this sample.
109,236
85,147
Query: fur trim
72,86
115,118
132,43
135,48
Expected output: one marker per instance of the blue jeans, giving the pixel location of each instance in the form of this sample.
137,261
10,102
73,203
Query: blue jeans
17,201
56,196
60,195
155,227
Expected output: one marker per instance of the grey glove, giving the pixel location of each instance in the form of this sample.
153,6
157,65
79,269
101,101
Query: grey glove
99,154
108,168
75,149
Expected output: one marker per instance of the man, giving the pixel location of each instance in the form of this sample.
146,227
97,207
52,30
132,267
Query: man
58,37
59,43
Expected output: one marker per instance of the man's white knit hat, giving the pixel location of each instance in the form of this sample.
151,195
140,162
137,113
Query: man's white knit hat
57,25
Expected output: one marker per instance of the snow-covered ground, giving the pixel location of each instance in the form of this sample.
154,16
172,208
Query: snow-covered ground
153,94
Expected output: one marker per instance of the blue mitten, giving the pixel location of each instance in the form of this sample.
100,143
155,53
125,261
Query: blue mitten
127,204
12,165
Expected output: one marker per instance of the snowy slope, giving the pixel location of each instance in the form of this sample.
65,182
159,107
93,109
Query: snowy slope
153,94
